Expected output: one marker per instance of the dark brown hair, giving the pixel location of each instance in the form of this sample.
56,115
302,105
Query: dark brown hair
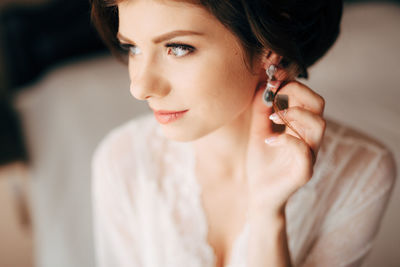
301,31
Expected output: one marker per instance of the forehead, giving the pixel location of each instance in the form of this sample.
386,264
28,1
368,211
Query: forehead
151,17
161,8
116,2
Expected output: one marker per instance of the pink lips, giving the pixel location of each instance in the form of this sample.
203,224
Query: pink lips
165,117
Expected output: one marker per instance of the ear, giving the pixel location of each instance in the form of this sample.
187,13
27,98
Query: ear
269,58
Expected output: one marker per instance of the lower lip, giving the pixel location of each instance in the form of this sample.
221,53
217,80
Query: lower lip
169,117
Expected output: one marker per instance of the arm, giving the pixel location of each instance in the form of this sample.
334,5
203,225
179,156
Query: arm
347,235
277,170
267,242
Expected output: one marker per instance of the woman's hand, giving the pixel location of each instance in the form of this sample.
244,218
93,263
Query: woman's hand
276,170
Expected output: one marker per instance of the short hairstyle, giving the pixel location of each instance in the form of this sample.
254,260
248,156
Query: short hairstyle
301,31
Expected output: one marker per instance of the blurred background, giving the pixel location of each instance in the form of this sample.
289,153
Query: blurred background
61,91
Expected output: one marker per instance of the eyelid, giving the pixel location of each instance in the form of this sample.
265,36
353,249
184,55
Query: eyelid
178,44
126,46
190,49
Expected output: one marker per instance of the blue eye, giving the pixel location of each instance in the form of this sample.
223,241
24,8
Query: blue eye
128,48
176,49
179,50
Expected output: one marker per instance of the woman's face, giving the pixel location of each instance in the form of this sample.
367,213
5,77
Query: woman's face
198,66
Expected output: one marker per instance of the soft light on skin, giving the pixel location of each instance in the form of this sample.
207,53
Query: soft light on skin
213,81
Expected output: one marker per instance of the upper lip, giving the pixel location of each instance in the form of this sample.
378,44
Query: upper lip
167,111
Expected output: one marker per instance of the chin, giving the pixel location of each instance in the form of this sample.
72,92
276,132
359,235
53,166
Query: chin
178,136
183,135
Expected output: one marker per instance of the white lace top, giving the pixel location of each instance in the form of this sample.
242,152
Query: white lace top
147,209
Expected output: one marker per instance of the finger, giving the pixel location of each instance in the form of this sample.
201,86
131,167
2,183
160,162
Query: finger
297,146
302,96
310,126
260,126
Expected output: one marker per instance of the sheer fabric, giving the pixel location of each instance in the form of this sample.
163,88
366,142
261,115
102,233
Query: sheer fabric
147,209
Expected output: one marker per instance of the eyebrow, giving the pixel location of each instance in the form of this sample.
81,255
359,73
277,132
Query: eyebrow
163,37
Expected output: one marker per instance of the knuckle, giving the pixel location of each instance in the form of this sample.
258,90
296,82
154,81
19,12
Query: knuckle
294,85
321,103
304,149
322,122
298,86
296,109
320,127
300,146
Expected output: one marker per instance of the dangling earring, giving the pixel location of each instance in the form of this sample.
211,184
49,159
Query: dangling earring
268,96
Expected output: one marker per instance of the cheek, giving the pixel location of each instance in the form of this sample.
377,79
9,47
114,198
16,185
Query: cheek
216,84
228,88
220,100
215,97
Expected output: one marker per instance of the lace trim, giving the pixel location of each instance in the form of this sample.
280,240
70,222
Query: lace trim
239,243
182,195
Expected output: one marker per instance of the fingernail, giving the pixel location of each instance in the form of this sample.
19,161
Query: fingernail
273,116
270,140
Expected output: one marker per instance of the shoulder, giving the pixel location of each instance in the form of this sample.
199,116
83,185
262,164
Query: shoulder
352,158
354,174
121,145
357,147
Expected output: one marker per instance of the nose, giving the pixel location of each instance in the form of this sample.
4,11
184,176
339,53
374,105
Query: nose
147,82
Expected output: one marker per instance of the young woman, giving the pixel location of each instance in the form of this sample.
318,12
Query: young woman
206,180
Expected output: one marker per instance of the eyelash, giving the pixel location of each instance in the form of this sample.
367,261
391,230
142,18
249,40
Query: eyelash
125,48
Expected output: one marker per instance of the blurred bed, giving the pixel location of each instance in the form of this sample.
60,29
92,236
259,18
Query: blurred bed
68,111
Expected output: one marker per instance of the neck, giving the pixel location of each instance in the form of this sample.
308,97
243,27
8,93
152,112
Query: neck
222,153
